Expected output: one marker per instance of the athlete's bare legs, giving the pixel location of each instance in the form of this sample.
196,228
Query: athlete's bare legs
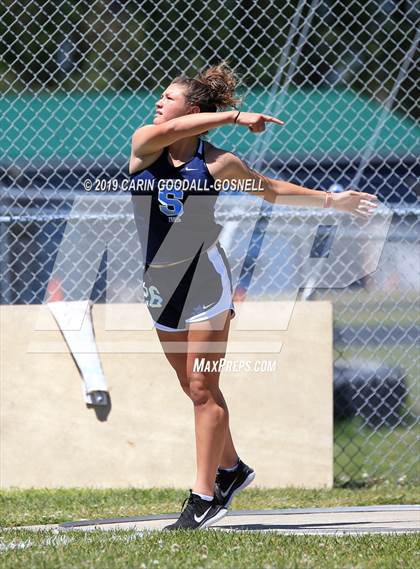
214,445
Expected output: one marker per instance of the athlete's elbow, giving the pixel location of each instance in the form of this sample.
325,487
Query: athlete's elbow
136,143
270,194
148,139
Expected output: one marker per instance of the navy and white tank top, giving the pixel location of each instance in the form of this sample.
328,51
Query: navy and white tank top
174,209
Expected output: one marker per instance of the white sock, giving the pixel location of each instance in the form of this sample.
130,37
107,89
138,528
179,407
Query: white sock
232,468
204,496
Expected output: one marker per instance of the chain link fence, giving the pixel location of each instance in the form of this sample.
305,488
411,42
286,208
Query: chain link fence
77,78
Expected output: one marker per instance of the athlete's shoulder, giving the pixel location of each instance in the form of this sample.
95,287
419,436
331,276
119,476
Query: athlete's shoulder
221,161
218,158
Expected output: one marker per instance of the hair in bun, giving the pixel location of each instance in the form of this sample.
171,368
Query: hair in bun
212,89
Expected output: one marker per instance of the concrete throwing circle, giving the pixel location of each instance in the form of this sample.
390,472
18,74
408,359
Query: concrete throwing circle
296,521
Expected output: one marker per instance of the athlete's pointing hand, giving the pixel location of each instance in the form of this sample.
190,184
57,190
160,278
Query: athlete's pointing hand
256,121
358,203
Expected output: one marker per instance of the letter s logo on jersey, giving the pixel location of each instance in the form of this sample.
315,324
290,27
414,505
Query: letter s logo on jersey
171,202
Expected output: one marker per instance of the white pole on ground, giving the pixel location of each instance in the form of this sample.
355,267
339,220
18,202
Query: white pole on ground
82,346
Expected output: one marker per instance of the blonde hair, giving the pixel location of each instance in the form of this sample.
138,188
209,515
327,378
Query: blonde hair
212,89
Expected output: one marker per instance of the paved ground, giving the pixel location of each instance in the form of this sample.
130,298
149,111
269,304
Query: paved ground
318,521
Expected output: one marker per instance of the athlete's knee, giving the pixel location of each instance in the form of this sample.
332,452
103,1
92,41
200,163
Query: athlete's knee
201,388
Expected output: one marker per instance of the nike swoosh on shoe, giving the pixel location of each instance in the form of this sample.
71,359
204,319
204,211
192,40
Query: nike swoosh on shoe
199,519
224,494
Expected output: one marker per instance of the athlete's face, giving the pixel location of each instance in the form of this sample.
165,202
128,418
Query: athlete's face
172,104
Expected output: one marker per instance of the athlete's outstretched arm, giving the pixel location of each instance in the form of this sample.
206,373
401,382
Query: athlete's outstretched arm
286,193
151,138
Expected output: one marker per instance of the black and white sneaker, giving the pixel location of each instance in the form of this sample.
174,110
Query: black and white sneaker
230,483
198,513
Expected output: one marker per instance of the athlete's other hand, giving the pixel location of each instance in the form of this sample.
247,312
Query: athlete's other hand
361,204
256,121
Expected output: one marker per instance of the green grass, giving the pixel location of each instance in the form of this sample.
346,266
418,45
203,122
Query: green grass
42,506
375,316
361,297
360,453
359,450
206,549
368,309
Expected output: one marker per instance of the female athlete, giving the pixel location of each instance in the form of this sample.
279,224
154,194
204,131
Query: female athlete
187,281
